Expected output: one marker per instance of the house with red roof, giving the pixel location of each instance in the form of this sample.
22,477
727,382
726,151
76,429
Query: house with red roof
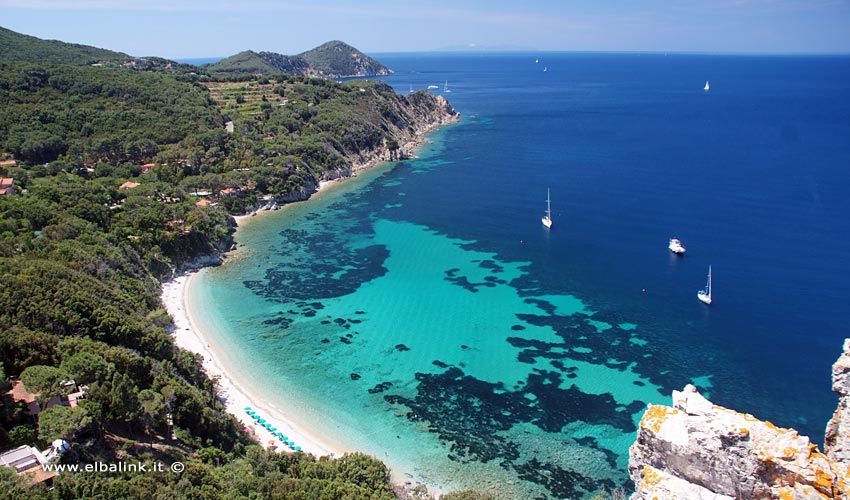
7,186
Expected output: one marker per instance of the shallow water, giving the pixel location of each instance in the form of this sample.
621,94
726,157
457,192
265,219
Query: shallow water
421,312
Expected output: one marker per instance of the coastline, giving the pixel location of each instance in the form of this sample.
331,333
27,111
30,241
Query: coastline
187,335
176,294
379,157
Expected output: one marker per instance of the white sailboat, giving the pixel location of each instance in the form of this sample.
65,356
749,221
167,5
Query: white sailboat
411,90
547,219
705,295
446,87
707,87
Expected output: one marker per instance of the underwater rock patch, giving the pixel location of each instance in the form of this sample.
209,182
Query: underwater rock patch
379,388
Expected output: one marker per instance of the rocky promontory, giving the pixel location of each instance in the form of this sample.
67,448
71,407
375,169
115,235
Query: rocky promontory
699,450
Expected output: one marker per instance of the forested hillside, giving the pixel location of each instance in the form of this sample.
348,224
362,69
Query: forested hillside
18,47
113,178
333,59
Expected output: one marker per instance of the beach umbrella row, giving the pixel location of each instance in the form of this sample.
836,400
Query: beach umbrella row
267,425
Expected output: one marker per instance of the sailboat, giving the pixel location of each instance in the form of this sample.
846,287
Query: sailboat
547,219
705,295
411,90
706,88
446,87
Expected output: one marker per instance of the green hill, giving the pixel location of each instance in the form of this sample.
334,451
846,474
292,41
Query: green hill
330,60
247,61
335,59
19,47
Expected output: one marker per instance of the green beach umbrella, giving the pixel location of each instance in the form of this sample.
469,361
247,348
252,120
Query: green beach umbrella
297,448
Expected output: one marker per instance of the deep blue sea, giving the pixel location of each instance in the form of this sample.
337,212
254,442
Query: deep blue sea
422,313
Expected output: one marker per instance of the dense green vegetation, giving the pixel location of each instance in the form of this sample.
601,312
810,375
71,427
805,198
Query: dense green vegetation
82,116
82,254
105,123
246,61
257,474
333,59
18,47
337,58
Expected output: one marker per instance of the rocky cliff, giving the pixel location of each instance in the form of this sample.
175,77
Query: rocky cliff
837,440
416,115
698,450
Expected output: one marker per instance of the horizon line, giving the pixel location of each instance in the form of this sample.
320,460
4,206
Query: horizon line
566,51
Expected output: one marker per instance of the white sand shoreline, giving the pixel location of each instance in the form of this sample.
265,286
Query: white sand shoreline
187,335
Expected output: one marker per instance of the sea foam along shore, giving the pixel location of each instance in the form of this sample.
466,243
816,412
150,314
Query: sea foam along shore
187,335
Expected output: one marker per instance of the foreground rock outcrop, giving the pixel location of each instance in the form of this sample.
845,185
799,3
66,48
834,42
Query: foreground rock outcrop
837,439
698,450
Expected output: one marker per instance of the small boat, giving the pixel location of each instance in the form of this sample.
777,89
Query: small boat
411,90
545,69
547,219
536,61
446,88
676,246
705,295
432,87
707,87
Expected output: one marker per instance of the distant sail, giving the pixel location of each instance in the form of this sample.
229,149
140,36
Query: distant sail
547,219
706,88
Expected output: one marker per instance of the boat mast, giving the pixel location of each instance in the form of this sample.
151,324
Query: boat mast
548,205
708,287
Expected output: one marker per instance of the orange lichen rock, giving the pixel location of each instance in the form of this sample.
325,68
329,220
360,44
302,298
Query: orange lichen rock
696,449
655,416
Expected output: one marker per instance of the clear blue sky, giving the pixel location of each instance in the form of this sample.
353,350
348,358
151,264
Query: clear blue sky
200,28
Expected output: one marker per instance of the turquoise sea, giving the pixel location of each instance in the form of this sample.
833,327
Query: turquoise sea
421,313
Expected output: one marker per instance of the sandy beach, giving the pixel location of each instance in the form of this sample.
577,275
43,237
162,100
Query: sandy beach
236,397
188,336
